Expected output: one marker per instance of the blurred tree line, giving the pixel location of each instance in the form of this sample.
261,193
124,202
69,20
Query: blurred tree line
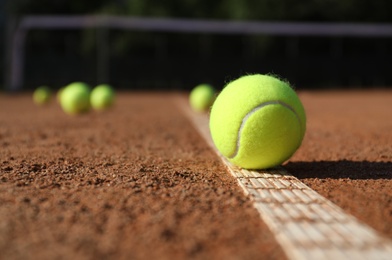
152,51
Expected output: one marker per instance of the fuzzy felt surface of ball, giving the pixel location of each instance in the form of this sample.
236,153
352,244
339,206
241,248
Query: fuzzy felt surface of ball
257,122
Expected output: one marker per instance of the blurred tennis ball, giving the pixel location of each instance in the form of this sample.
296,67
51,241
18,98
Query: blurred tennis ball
58,95
102,97
75,98
202,97
42,95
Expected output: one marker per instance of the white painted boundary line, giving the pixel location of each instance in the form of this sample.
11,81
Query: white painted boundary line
305,224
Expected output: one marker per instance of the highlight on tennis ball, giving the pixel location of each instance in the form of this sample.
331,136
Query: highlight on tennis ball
257,122
75,98
102,97
42,95
202,97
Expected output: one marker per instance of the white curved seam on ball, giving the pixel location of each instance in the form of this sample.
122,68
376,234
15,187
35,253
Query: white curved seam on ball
273,102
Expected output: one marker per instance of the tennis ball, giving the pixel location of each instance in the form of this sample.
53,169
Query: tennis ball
202,97
75,98
257,122
58,95
102,97
42,95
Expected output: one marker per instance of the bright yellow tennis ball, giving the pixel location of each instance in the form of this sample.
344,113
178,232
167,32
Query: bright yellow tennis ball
202,97
102,97
75,98
257,122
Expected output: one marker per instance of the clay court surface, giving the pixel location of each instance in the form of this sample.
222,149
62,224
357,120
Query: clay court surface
139,181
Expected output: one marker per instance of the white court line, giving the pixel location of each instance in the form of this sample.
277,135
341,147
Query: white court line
305,224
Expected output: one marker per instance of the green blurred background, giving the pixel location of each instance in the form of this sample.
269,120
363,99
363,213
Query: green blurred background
159,60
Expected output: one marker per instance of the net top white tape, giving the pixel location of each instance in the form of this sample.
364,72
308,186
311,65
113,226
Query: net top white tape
59,22
207,26
305,224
